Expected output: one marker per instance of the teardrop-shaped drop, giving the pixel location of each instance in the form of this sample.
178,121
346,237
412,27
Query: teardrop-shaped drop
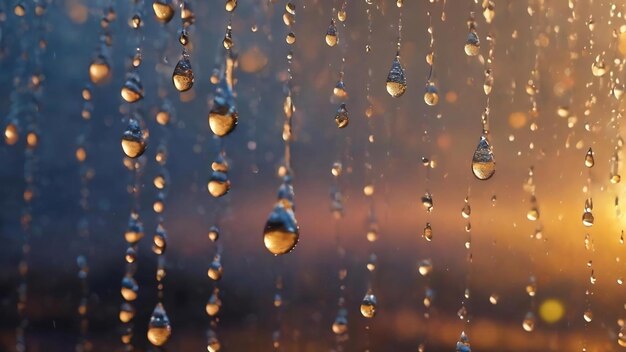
589,160
183,74
331,34
214,233
223,116
218,184
396,80
587,218
134,231
431,95
214,304
213,343
281,232
99,70
340,325
428,232
163,10
368,305
159,240
215,269
220,163
463,344
129,288
159,328
132,90
340,90
133,141
483,162
341,118
489,10
127,312
231,5
472,45
427,202
621,336
529,322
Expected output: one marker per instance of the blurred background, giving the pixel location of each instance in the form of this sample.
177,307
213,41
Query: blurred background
551,36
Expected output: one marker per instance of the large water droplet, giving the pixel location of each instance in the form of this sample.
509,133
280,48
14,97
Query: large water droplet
159,328
133,142
99,70
183,74
163,10
368,305
472,45
281,234
396,80
331,34
483,163
132,90
223,116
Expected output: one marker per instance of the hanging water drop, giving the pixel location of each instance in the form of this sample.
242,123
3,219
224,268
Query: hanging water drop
472,45
529,322
183,74
129,288
11,134
223,116
368,305
215,269
431,95
341,118
159,328
214,233
428,232
589,159
280,234
134,231
483,163
133,141
132,90
396,79
99,70
163,10
340,325
218,184
331,34
463,345
588,315
214,304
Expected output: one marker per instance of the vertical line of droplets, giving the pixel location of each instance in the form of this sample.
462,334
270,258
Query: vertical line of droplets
616,91
396,84
533,214
28,89
219,184
159,326
340,324
134,144
281,232
99,73
431,98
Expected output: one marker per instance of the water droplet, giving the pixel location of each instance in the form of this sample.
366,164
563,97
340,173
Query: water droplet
223,116
431,95
341,118
131,255
533,214
589,160
621,336
214,233
467,209
99,70
472,45
342,15
588,315
281,234
132,90
368,305
489,10
587,218
290,38
129,288
336,169
218,184
134,231
127,312
231,5
159,328
428,232
340,90
331,34
163,10
483,163
228,39
215,269
427,202
11,133
133,142
396,80
214,304
529,322
340,325
183,74
425,267
463,344
598,67
493,299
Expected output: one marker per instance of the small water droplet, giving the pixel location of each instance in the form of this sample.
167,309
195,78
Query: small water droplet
463,345
132,90
529,322
341,118
129,288
183,74
215,269
340,325
368,305
280,234
331,34
472,45
214,304
431,95
163,10
214,233
589,159
133,141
